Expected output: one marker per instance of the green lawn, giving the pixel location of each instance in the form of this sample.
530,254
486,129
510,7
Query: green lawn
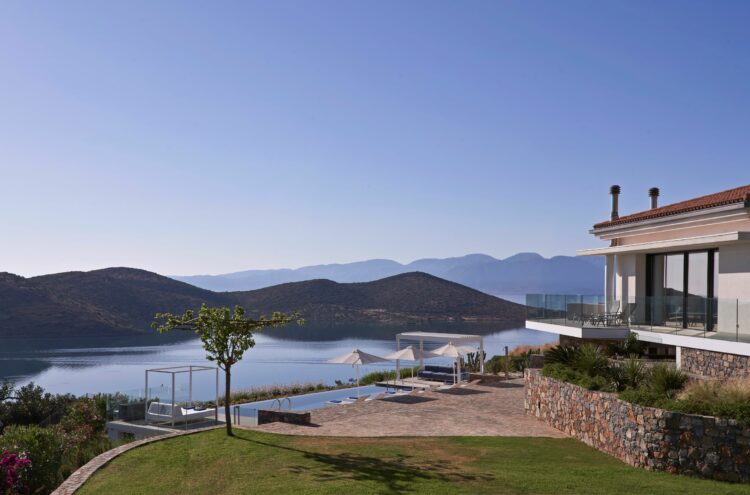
251,462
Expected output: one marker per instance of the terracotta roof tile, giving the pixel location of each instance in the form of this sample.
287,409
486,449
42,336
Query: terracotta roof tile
731,196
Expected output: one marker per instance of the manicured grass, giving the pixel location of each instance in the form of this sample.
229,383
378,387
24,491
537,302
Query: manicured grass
252,462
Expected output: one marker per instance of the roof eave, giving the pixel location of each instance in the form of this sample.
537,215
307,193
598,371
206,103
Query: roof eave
671,218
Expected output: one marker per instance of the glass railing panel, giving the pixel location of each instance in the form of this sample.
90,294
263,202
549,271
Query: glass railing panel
555,308
743,321
696,313
534,306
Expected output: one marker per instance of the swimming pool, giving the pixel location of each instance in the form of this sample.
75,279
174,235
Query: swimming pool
307,402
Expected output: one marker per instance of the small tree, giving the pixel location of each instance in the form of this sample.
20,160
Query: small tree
225,335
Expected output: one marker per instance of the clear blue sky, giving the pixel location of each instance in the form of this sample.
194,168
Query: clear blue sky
207,137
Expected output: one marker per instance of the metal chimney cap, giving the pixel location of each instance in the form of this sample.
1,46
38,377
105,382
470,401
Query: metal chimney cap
653,192
614,189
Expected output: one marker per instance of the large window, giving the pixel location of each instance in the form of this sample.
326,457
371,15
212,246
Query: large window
681,289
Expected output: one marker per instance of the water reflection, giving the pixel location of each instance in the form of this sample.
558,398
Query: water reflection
287,355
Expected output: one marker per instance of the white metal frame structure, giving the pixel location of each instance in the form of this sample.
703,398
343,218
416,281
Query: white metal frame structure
446,338
175,370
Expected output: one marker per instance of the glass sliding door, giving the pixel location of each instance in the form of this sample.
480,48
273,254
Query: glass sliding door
673,289
681,289
696,298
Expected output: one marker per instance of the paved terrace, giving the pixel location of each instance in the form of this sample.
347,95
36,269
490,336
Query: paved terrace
475,410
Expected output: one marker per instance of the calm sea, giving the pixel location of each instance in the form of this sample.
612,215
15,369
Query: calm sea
281,356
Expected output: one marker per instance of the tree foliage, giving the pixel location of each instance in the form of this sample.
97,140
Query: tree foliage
226,334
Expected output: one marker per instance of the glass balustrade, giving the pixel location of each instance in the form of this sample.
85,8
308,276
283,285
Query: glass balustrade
693,316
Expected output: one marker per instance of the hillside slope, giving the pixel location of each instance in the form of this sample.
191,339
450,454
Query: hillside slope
411,296
109,301
117,301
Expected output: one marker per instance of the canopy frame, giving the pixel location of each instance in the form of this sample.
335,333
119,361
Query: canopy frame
176,370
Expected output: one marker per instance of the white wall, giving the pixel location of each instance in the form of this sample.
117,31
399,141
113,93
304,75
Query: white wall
625,282
734,284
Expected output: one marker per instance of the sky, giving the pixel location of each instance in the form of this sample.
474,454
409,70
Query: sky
209,137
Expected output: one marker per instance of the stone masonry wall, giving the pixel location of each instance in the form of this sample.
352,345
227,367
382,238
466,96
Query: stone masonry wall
713,364
645,437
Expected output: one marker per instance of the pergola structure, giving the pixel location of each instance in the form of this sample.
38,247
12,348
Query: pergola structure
176,370
455,338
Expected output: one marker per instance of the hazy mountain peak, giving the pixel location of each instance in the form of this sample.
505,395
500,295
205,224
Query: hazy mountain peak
518,274
526,257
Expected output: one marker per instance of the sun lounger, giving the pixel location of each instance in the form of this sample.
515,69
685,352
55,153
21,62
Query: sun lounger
162,412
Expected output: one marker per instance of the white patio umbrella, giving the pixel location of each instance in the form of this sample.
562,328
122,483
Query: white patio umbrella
456,352
409,353
357,358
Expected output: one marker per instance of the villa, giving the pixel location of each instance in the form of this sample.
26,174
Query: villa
678,276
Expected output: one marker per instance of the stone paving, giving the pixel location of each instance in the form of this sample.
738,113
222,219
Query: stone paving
475,410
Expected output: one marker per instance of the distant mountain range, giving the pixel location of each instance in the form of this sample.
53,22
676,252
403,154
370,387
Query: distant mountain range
520,274
117,301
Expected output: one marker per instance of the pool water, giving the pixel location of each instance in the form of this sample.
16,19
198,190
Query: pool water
307,402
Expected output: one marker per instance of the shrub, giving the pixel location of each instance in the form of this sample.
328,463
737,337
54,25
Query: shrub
666,380
495,365
520,362
629,347
645,397
634,372
81,430
380,376
83,412
729,399
31,405
271,392
14,468
590,360
561,354
44,448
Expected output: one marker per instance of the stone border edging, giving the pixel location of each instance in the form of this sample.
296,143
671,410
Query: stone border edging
645,437
83,473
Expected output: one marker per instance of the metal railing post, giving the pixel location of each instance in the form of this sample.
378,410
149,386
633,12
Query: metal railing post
507,362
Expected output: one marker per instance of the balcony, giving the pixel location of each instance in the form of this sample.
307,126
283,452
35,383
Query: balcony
676,315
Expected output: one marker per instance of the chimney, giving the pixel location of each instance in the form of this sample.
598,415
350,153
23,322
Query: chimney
615,192
653,193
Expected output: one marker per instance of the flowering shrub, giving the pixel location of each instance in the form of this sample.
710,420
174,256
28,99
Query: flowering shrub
81,429
13,467
43,447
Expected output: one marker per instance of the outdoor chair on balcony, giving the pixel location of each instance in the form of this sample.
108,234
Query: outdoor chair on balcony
602,319
625,316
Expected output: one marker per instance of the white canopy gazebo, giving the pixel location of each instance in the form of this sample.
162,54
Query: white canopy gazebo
172,411
457,339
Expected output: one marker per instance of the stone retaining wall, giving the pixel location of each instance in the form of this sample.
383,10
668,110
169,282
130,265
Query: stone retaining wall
645,437
292,417
79,477
713,364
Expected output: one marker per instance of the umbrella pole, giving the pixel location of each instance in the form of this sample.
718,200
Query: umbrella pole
357,381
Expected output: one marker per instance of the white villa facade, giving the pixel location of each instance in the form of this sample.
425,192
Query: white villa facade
676,275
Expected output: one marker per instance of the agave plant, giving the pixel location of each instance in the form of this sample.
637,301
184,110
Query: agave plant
665,380
561,354
634,371
590,360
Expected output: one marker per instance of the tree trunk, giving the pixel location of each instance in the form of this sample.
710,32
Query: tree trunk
227,396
